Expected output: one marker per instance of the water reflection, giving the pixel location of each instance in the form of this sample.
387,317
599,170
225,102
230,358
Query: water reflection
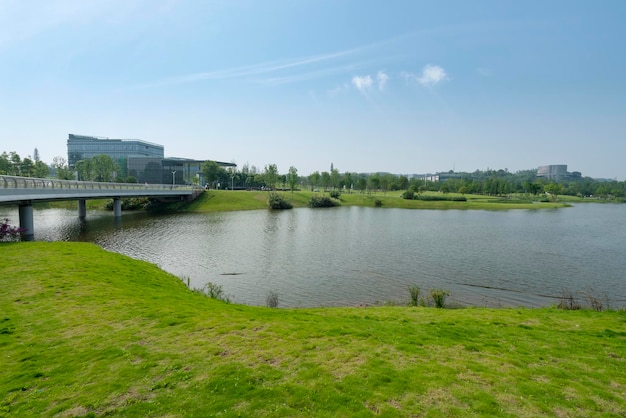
351,255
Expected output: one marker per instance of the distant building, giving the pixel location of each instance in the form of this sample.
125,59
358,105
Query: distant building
142,160
554,173
81,147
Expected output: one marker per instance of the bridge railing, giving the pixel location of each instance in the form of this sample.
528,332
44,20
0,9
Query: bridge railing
15,182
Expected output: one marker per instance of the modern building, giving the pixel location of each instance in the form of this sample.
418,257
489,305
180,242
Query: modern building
81,147
142,160
554,173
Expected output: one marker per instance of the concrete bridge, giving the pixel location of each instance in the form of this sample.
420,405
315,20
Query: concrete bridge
24,191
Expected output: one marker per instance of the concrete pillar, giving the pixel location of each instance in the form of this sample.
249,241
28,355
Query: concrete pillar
117,207
82,209
26,222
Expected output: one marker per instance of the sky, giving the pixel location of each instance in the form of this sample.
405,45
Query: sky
370,86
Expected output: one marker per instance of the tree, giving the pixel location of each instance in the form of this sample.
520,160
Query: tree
63,171
325,180
41,170
373,182
553,189
292,178
402,183
26,167
334,178
84,168
314,179
271,175
104,168
361,184
348,181
212,172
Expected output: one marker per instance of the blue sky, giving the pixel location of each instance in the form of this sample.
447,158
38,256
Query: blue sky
396,86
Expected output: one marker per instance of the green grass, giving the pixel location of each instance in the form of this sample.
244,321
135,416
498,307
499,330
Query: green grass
227,200
85,332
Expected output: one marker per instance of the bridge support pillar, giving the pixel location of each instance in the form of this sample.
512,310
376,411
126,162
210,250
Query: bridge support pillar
117,207
26,222
82,209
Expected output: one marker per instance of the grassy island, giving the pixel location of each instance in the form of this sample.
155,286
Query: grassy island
85,332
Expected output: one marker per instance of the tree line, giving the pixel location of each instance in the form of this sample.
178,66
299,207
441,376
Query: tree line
248,177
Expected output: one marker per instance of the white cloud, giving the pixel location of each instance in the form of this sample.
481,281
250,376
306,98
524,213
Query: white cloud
382,79
362,83
431,75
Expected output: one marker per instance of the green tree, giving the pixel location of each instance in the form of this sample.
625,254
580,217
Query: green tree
104,168
373,182
325,180
212,172
271,175
361,184
84,168
554,190
402,182
27,167
41,170
63,171
314,179
334,178
5,163
292,178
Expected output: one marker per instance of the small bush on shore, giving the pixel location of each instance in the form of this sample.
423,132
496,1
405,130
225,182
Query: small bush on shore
320,201
439,297
272,299
415,295
276,201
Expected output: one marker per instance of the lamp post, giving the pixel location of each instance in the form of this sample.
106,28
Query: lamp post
173,177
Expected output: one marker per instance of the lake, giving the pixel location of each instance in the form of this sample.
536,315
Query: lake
350,256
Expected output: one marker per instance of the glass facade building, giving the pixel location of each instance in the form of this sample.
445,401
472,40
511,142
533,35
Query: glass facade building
81,147
140,159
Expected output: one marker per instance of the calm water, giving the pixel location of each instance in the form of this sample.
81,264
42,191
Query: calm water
350,256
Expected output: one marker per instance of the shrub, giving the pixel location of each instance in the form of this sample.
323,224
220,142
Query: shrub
276,201
272,300
409,195
415,295
9,232
595,300
321,201
215,291
378,203
568,301
334,194
439,297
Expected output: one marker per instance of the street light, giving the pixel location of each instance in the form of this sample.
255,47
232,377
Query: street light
173,177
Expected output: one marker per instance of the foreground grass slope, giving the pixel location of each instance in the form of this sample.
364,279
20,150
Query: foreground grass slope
84,332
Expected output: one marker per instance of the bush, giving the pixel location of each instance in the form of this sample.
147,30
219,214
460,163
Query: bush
439,297
415,295
569,301
320,201
409,195
378,203
9,232
272,300
276,201
334,194
215,291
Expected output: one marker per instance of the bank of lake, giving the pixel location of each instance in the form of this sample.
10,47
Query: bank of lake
85,332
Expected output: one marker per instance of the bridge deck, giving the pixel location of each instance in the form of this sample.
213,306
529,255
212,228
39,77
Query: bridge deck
17,190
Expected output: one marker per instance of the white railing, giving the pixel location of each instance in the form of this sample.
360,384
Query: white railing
14,182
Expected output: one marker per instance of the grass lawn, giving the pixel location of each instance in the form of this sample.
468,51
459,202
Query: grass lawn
225,200
85,332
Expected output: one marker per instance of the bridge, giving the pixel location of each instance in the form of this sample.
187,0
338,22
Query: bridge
24,191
